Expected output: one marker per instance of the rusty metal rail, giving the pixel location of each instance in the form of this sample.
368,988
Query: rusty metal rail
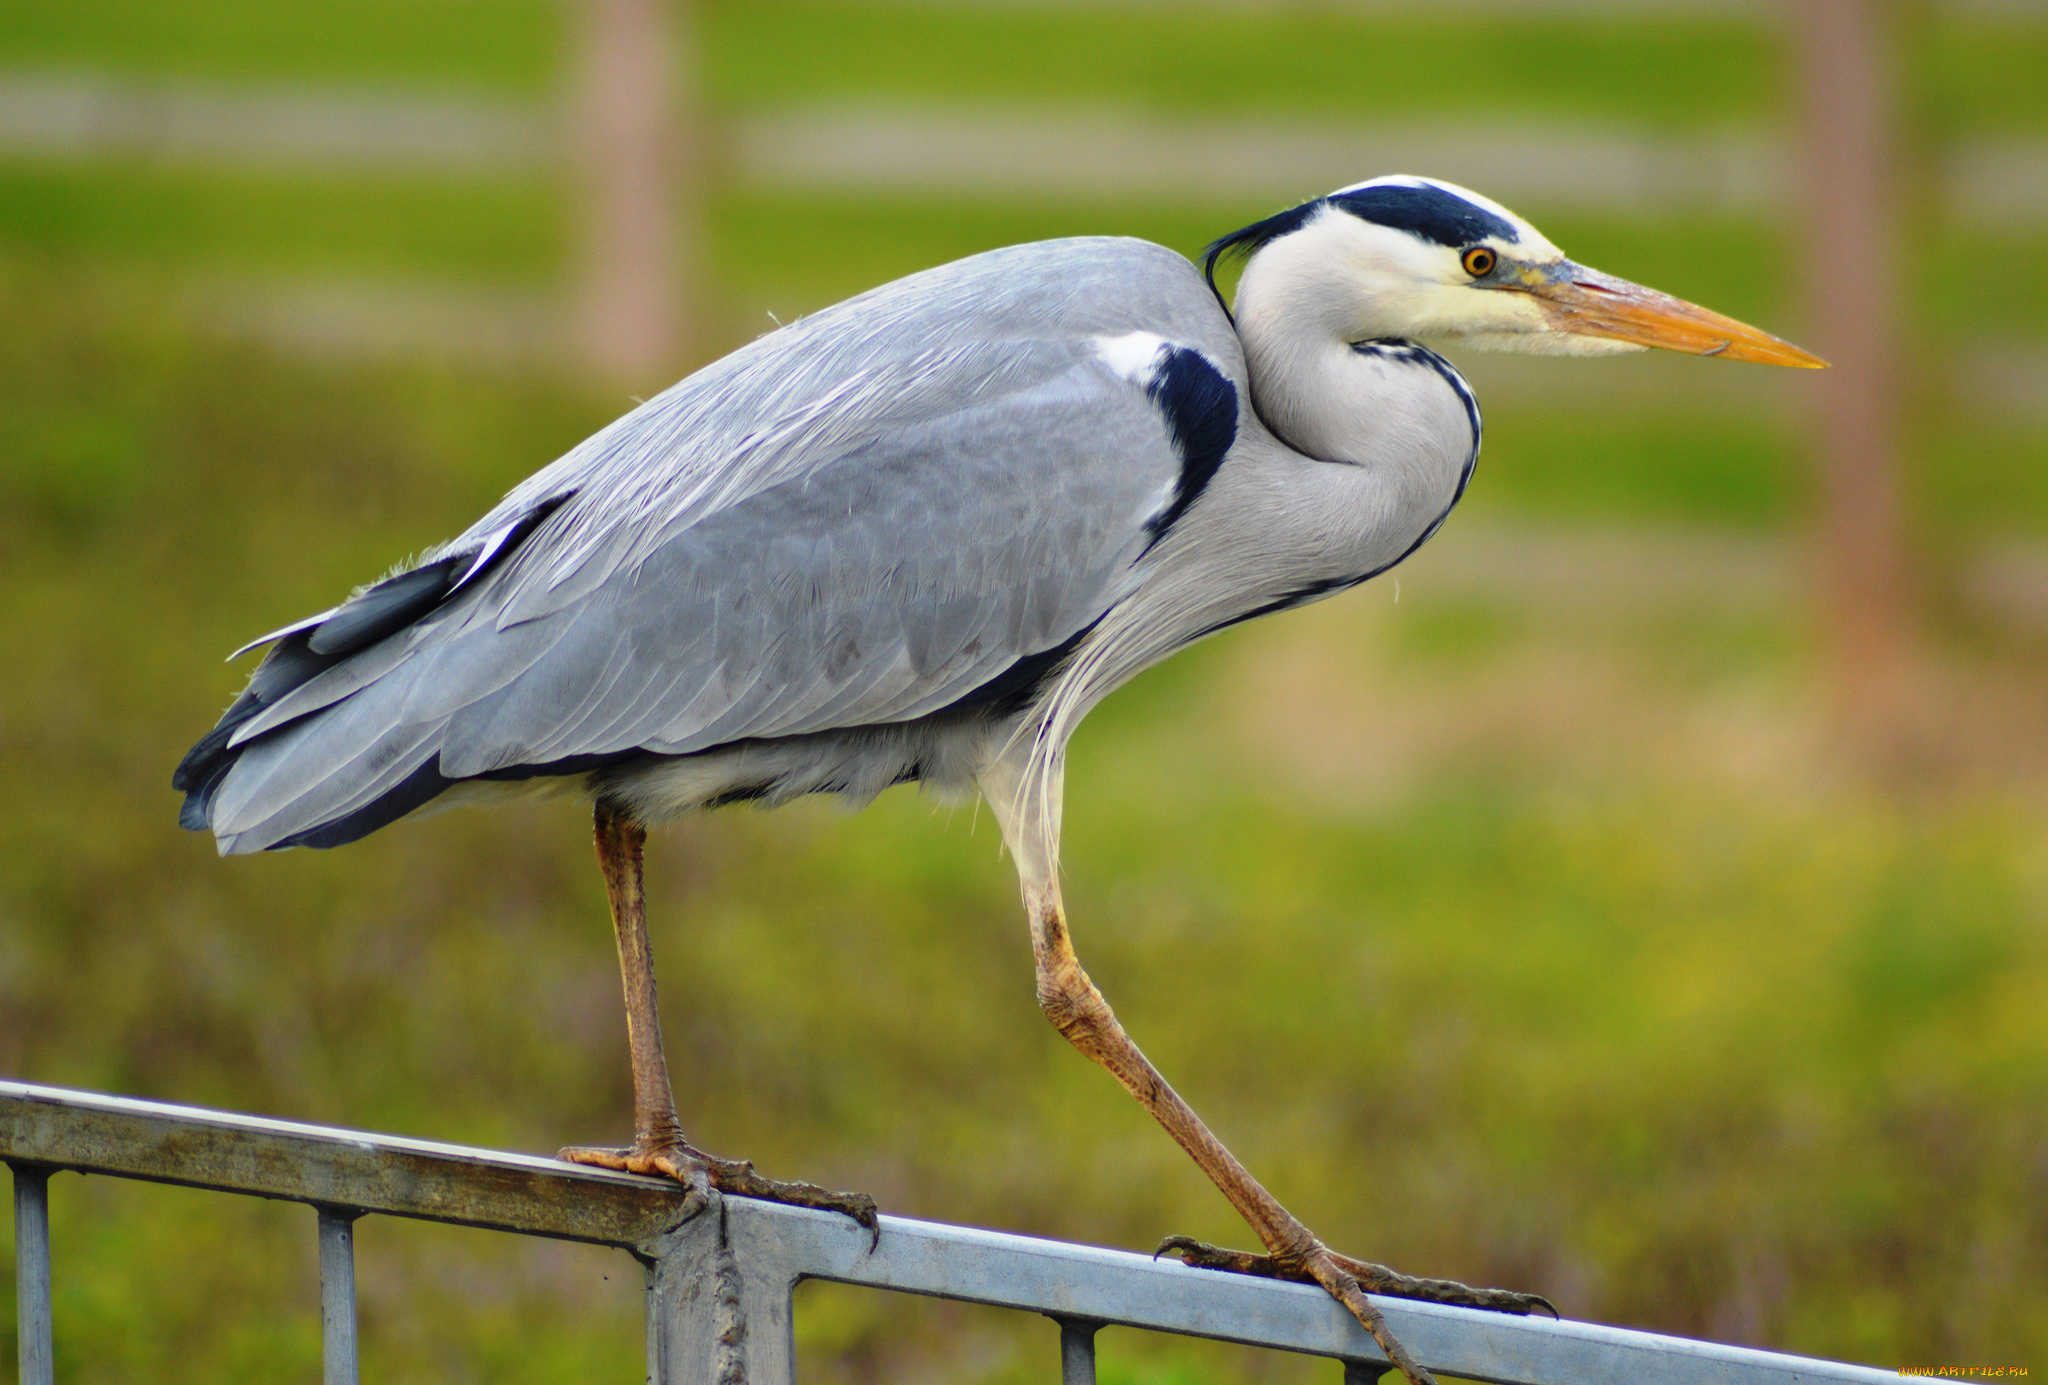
720,1282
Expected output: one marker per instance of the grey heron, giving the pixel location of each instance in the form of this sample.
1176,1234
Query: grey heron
915,538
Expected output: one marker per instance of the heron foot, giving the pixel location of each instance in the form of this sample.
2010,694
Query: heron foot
1317,1264
701,1172
1374,1279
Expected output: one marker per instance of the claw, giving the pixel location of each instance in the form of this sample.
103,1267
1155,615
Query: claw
1202,1255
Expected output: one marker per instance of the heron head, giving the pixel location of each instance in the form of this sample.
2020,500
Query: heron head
1415,257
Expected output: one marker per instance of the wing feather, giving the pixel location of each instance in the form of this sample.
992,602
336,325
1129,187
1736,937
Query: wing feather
860,519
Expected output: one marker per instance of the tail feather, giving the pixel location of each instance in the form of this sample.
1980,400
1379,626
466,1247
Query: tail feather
304,652
416,790
318,780
206,764
200,774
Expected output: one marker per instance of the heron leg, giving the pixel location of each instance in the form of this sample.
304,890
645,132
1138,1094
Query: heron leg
1077,1009
659,1148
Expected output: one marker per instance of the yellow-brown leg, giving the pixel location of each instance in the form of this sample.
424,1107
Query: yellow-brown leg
1076,1008
1029,813
658,1145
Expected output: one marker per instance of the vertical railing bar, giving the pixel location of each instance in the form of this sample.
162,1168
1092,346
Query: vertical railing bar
338,1295
654,1312
1365,1372
32,1273
1077,1350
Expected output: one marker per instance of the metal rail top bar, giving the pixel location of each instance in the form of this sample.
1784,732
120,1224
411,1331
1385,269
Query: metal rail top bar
1118,1287
537,1196
339,1168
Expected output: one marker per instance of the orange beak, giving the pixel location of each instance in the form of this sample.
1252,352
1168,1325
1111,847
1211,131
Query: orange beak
1578,299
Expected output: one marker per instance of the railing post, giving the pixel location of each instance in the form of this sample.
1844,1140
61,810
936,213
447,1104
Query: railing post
698,1329
1077,1350
338,1295
32,1272
1365,1372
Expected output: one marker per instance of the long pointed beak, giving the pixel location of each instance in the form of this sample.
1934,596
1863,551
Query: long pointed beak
1578,299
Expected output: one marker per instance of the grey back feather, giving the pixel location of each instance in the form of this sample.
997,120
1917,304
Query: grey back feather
858,519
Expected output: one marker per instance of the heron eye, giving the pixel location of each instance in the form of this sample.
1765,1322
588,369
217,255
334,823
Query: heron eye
1478,262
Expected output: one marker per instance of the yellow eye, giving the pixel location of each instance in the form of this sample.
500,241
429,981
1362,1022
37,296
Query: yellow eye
1478,262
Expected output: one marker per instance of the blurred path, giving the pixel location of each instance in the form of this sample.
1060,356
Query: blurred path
84,119
971,151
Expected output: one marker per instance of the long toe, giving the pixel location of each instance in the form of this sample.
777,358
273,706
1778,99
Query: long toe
672,1161
701,1172
597,1156
739,1177
1378,1279
1374,1279
1349,1281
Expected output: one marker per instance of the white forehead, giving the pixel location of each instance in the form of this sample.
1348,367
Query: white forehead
1528,243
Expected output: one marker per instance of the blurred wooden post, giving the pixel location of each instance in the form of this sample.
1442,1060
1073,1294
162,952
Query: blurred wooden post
1851,267
633,153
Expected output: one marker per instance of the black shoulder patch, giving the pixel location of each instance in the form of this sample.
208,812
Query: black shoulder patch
1427,211
1200,406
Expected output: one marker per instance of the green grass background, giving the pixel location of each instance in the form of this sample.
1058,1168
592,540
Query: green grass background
1507,939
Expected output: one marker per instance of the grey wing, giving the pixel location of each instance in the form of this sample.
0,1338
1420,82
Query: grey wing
891,575
894,357
886,585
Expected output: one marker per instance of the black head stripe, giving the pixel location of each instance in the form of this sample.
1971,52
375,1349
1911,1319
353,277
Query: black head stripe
1426,211
1250,238
1421,210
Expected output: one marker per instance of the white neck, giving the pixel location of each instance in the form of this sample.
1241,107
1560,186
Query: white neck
1363,453
1391,412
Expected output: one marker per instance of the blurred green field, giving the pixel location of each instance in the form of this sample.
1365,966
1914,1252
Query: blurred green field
1974,70
1970,76
1542,934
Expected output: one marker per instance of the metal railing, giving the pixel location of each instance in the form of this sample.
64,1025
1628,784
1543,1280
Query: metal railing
720,1283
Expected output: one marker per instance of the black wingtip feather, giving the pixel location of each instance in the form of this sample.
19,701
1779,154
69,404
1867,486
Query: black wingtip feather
386,608
199,775
381,611
192,770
